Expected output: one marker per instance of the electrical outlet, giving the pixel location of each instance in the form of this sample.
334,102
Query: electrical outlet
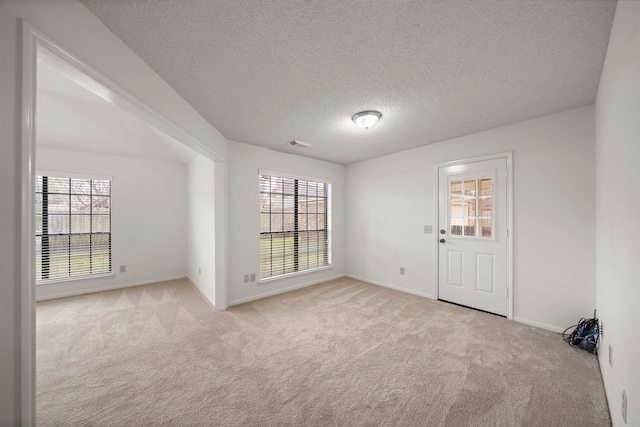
624,406
428,229
253,277
610,356
402,271
123,269
246,278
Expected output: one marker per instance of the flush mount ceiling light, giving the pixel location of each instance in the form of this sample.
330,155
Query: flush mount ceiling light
366,119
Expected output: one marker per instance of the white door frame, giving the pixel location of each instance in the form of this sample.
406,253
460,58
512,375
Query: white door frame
508,155
34,43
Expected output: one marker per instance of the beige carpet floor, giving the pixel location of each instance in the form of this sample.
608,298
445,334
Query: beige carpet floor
342,353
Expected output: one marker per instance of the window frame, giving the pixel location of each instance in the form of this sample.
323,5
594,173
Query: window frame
327,229
72,278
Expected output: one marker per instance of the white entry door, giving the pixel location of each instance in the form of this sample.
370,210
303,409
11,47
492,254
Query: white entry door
472,235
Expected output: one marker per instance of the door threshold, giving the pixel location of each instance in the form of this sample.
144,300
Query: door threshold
472,308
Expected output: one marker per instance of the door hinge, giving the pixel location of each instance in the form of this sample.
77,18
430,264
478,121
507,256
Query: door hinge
507,293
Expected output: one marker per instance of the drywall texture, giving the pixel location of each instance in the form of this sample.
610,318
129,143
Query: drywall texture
244,163
148,218
617,208
391,198
201,250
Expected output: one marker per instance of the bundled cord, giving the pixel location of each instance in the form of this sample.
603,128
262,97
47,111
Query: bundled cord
585,334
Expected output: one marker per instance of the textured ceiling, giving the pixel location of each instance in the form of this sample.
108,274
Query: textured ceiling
72,118
265,72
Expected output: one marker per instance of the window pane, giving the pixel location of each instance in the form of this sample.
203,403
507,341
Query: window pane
80,204
470,188
101,187
101,204
58,203
58,224
456,208
470,207
277,222
58,185
456,226
485,207
80,223
38,203
277,203
456,189
288,186
80,186
264,223
470,227
101,223
303,222
485,187
485,227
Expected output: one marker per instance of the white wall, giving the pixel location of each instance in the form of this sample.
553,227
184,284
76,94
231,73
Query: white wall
75,28
617,212
390,199
243,164
148,218
201,250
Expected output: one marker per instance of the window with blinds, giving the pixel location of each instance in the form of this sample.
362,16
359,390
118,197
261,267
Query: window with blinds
294,225
73,227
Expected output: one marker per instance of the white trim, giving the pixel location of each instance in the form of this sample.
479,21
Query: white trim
57,295
47,283
284,290
27,227
508,155
539,325
268,280
74,175
390,286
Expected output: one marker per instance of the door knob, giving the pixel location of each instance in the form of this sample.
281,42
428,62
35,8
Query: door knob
442,231
441,240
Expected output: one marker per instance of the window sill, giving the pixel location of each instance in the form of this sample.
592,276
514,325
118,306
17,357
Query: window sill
72,279
289,275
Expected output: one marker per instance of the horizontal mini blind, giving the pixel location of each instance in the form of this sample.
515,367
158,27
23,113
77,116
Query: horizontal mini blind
73,227
294,231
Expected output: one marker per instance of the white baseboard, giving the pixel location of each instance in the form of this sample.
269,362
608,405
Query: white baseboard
281,291
394,287
53,294
539,325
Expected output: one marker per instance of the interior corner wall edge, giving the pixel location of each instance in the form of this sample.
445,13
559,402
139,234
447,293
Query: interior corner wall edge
617,208
201,268
391,198
149,237
243,165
